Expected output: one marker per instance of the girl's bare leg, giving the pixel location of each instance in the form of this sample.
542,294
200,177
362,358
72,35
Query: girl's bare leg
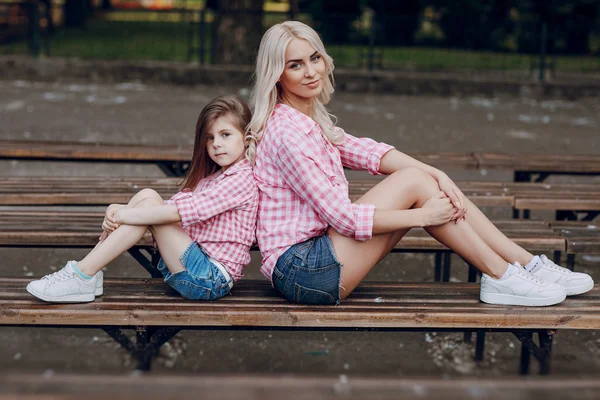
403,190
172,241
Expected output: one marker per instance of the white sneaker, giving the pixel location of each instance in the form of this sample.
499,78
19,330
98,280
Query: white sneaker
66,286
573,282
520,288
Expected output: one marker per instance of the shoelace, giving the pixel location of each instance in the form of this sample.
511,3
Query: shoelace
57,276
529,276
550,264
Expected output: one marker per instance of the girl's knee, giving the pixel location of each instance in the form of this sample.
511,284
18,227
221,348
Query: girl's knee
148,193
150,202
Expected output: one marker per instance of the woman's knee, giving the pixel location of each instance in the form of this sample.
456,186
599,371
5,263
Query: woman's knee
417,179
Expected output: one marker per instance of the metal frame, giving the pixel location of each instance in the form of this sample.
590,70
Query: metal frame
149,339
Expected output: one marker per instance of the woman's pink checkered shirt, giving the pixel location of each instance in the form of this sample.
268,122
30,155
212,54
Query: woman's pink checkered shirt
303,189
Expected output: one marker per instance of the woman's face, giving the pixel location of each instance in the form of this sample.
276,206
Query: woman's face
304,71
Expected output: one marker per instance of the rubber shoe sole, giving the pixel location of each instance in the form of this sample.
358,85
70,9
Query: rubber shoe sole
73,298
579,289
512,300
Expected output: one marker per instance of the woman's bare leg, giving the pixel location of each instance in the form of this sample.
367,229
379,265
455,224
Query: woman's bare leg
501,244
403,190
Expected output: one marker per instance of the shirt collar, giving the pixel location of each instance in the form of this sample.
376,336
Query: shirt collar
242,165
305,122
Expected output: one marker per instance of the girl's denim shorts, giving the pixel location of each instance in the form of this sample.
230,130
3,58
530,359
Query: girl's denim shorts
201,279
309,272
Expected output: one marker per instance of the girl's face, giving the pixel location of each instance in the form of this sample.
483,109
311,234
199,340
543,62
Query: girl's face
304,71
225,142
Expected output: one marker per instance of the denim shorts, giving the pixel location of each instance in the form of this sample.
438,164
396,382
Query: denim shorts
201,279
309,272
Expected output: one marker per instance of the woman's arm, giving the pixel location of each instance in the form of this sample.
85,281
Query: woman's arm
156,215
394,160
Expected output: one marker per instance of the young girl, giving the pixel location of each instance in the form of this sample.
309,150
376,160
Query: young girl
204,233
308,228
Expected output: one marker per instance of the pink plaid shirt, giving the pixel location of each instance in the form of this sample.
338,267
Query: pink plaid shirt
303,189
220,215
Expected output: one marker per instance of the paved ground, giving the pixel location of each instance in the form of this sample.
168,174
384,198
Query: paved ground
134,113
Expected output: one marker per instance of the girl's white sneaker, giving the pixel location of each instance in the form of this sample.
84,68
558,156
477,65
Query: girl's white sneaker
520,288
573,282
66,286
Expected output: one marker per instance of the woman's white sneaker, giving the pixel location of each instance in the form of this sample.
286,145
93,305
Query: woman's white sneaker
573,282
520,288
66,286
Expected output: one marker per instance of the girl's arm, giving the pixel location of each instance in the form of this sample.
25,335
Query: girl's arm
157,215
394,160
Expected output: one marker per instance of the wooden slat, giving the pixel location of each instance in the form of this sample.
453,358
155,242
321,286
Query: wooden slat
539,162
304,387
421,305
581,237
93,151
72,229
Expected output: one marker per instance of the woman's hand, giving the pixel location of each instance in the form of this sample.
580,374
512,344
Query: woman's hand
438,210
455,195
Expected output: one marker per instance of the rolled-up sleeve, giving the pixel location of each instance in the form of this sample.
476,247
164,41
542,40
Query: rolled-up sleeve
227,194
330,202
362,153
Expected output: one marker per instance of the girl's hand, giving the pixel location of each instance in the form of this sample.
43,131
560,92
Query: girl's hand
455,195
439,210
103,236
109,224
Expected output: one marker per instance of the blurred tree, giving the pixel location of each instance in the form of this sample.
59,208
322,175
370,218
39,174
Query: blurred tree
398,20
333,19
474,24
238,31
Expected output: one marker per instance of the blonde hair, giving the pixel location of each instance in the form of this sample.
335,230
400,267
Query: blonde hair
270,64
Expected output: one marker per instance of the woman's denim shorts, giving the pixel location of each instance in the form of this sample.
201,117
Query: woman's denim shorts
309,272
201,279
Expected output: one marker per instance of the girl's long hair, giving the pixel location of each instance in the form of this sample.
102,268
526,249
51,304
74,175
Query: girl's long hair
270,64
239,115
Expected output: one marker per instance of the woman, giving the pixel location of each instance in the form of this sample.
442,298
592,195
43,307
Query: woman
308,228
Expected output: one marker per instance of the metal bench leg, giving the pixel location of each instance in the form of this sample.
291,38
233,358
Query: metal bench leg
147,345
571,262
526,342
149,264
174,169
557,256
545,356
437,276
479,345
446,267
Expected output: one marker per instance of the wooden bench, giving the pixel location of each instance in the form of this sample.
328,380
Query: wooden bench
300,387
567,199
77,229
581,238
173,160
157,313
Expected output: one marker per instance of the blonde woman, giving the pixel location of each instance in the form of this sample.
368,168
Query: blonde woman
317,245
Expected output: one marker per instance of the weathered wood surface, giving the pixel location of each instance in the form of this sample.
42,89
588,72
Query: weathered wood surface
539,162
275,387
581,237
80,151
82,229
130,302
107,190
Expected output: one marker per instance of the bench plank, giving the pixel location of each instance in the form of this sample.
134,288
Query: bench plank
82,229
400,305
